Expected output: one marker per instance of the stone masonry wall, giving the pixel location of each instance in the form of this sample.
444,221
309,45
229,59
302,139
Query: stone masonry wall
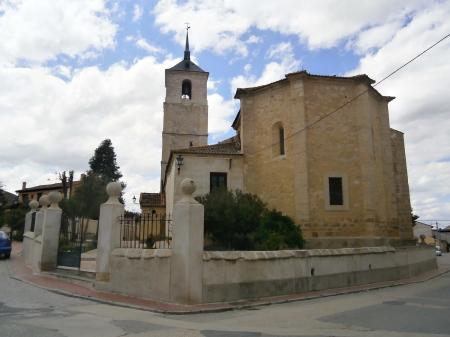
354,142
401,185
185,121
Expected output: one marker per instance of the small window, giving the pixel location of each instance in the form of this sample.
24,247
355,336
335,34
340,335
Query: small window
186,89
278,140
217,180
335,191
281,136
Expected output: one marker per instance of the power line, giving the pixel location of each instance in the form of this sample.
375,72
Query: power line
355,97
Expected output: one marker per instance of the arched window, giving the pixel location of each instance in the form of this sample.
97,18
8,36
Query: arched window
186,89
278,146
281,136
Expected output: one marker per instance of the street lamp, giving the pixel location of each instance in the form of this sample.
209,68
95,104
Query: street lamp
134,199
179,159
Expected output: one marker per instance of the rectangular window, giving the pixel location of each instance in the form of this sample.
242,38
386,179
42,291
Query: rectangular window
335,191
217,180
281,141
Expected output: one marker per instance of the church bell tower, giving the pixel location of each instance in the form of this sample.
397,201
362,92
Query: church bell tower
185,107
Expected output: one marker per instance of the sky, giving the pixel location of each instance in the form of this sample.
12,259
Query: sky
73,73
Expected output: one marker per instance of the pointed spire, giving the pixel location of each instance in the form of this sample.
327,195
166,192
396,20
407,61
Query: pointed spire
187,53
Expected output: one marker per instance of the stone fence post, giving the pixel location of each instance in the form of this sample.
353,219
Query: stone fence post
40,215
187,247
50,233
28,235
29,216
108,230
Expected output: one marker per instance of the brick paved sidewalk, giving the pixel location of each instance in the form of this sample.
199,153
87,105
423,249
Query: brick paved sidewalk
21,272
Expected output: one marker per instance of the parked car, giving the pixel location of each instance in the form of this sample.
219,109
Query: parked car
438,251
5,245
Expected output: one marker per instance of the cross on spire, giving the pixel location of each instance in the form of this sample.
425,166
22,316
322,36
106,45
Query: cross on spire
187,53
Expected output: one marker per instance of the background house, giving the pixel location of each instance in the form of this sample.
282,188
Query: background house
27,194
152,203
443,238
421,228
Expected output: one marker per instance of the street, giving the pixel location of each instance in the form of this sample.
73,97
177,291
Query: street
420,310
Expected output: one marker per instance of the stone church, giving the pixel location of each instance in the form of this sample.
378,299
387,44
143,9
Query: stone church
318,148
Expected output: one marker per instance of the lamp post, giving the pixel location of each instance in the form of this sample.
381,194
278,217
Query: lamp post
179,159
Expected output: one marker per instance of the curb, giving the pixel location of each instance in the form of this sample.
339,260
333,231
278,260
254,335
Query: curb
246,304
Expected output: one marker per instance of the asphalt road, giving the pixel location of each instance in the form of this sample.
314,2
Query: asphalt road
416,310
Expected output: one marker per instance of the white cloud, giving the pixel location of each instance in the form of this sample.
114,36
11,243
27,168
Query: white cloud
50,125
283,62
321,24
38,31
137,12
422,106
221,111
213,25
213,84
53,125
147,46
375,37
253,39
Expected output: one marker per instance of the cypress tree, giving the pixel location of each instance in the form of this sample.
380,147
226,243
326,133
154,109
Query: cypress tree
103,163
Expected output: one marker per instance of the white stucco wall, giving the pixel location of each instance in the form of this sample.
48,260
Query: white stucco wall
198,168
420,229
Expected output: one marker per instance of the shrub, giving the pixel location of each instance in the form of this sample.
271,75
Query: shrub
241,221
277,231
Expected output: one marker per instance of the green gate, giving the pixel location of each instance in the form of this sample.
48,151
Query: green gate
75,238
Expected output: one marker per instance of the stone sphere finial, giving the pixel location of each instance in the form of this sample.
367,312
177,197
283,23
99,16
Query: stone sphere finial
44,201
33,205
188,186
54,197
114,189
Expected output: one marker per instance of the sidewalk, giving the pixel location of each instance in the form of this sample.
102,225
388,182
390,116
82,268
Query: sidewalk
22,273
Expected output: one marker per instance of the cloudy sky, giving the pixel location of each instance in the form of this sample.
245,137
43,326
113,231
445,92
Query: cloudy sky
74,72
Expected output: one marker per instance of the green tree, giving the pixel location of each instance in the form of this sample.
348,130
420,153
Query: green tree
15,219
87,198
3,203
85,201
241,221
104,164
414,217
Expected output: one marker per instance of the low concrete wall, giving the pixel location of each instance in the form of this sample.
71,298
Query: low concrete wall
234,275
229,276
139,272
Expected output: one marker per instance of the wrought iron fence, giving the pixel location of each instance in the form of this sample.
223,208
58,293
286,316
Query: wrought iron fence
148,231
